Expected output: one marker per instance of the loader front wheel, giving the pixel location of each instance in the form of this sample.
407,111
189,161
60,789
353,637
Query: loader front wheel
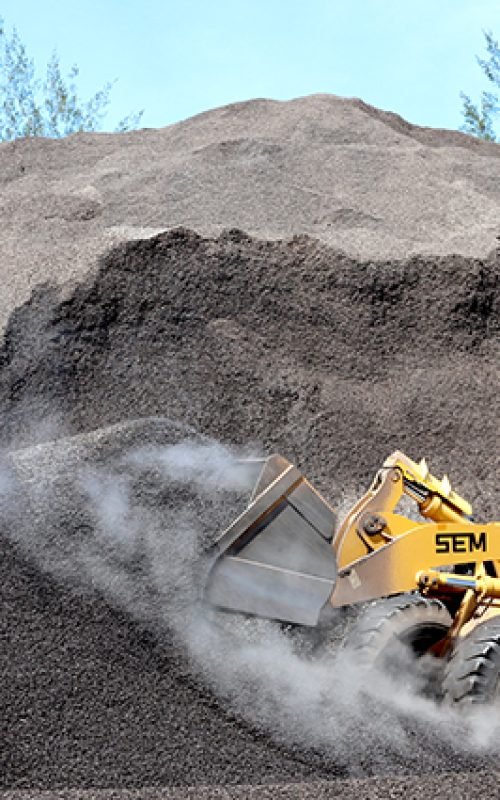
473,673
395,636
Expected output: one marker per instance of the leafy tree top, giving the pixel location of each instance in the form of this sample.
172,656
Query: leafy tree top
48,106
479,119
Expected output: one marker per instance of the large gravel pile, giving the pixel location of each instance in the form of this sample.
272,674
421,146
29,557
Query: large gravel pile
262,340
338,170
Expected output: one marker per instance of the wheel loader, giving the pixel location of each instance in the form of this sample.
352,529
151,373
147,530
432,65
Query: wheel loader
431,584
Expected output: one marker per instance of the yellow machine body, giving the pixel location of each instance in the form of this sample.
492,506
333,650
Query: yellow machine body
284,557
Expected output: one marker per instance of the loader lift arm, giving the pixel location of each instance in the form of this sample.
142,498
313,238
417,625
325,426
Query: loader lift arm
381,553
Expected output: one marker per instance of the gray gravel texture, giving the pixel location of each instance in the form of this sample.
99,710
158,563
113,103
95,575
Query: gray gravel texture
339,170
332,358
461,786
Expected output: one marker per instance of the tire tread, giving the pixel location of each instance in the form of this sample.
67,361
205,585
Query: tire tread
473,672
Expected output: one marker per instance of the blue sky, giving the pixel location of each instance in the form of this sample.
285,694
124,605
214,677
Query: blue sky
175,59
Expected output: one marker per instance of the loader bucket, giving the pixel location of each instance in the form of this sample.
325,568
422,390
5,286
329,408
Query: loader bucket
276,559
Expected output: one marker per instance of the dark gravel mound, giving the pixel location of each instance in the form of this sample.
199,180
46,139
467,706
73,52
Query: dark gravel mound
290,345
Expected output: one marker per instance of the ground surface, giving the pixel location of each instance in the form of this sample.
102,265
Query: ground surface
332,358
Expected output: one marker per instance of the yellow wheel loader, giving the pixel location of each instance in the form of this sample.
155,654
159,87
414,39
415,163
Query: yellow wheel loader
431,585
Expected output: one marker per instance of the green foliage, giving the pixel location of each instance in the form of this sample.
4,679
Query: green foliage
51,107
479,120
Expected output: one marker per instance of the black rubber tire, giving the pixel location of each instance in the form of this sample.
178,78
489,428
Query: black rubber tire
393,634
473,672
